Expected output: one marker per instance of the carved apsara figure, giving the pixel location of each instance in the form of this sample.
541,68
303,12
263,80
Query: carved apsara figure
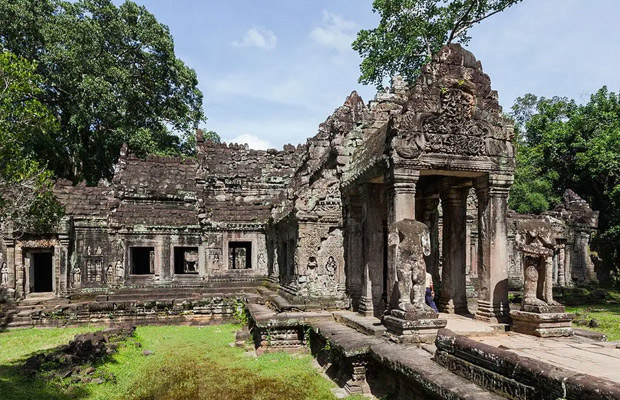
151,262
536,241
4,275
410,240
120,271
330,266
109,274
77,276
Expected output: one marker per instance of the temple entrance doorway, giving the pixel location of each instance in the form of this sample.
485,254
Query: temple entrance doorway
41,272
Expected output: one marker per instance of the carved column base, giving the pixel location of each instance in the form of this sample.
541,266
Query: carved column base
495,313
357,384
366,307
413,331
449,306
542,324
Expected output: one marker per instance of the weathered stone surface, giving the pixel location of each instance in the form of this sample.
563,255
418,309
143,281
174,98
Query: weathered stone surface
545,324
515,376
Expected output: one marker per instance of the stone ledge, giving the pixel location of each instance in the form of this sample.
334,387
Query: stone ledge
437,382
509,374
370,326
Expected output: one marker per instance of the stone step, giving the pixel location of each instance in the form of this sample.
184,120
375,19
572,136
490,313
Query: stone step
370,326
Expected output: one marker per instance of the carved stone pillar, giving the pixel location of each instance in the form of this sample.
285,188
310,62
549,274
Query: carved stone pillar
20,272
62,282
9,258
431,219
561,265
372,285
493,257
354,248
453,297
401,189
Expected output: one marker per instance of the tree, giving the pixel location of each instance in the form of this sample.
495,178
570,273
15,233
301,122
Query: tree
110,76
571,146
411,31
26,198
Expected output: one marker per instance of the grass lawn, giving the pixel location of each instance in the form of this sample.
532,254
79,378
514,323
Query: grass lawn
186,363
608,315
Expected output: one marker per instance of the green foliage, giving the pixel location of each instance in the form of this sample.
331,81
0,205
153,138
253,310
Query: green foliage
211,136
411,31
607,314
110,76
26,197
562,146
239,313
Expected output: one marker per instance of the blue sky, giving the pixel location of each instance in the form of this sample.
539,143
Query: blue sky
272,70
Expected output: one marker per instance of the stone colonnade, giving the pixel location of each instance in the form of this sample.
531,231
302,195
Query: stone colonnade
401,187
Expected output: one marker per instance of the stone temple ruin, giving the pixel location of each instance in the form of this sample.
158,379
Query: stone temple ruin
418,179
314,219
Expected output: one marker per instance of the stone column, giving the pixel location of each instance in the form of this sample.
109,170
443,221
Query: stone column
561,266
9,258
453,297
354,248
62,286
431,219
400,190
568,264
492,193
20,273
373,250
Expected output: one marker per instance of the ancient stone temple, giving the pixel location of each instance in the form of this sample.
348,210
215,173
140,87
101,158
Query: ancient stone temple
314,220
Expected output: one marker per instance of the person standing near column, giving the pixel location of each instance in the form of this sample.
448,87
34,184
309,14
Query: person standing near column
430,292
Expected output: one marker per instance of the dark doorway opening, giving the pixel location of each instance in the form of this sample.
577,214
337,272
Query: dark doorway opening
240,255
142,260
43,273
186,260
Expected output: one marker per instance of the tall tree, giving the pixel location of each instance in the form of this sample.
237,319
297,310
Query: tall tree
110,76
26,198
411,31
571,146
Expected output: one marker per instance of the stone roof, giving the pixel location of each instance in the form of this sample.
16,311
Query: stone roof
82,200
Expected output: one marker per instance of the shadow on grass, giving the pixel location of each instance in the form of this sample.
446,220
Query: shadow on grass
15,385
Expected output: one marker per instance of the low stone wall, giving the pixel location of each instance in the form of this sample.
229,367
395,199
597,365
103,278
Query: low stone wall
208,310
514,376
361,364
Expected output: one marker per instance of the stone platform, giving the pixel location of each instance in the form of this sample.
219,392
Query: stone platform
579,354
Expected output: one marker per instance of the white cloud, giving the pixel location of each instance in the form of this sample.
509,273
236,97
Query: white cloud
253,141
335,32
258,37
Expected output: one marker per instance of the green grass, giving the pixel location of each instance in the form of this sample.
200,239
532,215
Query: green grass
187,363
607,314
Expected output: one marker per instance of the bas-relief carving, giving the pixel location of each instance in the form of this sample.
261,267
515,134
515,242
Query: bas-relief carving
76,277
214,262
411,242
119,270
109,274
4,274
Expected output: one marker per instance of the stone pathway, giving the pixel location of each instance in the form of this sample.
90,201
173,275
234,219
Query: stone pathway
467,326
601,359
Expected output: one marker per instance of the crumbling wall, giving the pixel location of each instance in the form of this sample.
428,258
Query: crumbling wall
575,223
